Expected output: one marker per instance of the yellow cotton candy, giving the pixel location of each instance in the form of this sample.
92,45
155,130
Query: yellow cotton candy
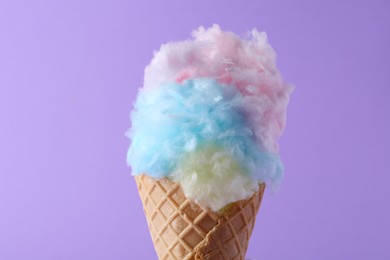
211,177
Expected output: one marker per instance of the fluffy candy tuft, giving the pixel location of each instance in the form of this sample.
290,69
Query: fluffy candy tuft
210,115
213,178
249,64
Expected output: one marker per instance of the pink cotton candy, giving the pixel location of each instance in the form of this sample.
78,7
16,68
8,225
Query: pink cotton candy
247,64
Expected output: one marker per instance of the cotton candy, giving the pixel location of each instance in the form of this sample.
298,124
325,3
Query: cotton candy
209,117
248,64
212,177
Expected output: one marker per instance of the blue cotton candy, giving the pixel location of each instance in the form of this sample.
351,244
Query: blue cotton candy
172,121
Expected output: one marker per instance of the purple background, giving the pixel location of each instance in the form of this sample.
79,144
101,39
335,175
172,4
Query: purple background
69,73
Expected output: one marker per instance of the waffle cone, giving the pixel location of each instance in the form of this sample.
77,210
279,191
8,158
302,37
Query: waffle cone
180,229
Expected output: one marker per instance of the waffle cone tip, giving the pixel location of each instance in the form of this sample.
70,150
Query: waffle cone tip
181,229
